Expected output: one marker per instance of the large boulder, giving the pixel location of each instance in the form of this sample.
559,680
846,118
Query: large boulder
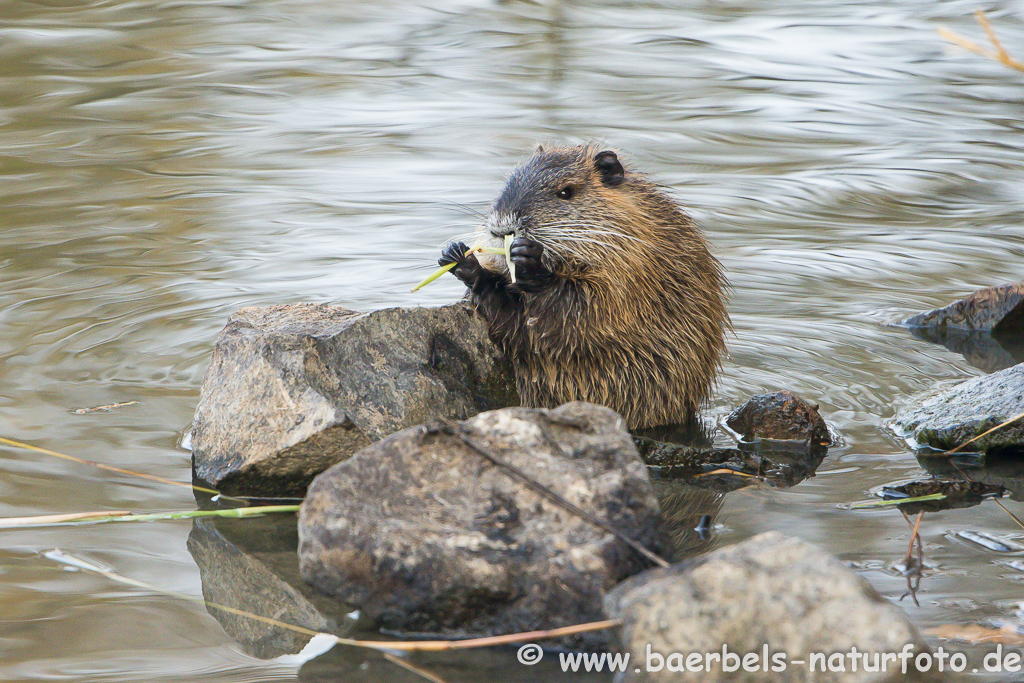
946,419
293,389
424,534
770,595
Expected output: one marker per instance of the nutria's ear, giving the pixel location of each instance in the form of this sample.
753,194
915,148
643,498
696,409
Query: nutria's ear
540,149
607,164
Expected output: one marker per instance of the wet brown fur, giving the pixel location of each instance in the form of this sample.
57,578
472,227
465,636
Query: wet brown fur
635,317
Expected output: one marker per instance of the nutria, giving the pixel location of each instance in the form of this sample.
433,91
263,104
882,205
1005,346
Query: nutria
617,299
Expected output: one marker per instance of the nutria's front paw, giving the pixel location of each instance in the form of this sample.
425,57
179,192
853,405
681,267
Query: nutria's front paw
468,268
531,273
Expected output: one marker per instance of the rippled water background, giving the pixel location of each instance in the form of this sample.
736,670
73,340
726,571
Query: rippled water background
166,163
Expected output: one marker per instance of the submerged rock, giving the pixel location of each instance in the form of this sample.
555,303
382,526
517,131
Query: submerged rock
1005,472
729,469
947,419
770,595
424,534
293,389
784,439
992,309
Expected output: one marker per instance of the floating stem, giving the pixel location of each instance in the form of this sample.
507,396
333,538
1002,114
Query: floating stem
896,501
124,516
44,520
102,466
1000,54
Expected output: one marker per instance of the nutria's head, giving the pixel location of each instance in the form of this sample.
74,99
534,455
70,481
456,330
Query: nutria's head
588,211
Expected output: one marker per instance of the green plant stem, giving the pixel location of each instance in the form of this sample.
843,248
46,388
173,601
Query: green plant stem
102,518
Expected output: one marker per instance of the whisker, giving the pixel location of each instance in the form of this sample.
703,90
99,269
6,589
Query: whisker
564,236
464,209
467,238
587,241
591,230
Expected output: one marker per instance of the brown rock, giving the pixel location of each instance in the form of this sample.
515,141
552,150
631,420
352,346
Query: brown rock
424,534
782,416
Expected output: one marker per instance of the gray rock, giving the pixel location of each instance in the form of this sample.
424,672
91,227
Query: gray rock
293,389
425,535
992,309
771,592
948,418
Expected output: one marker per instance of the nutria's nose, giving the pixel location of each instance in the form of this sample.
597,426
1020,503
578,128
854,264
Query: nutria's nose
502,223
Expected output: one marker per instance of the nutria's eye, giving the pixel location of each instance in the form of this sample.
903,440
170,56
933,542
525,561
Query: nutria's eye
567,192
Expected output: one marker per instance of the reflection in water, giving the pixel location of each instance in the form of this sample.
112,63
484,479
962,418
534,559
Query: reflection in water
985,351
689,514
165,164
349,665
254,567
1005,469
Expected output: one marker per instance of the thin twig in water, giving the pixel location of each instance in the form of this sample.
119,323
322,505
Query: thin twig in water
1000,55
109,468
422,673
119,470
1012,516
908,560
42,520
489,641
913,566
127,516
103,409
459,431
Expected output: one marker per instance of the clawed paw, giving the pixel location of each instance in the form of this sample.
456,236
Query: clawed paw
453,252
526,253
526,257
467,268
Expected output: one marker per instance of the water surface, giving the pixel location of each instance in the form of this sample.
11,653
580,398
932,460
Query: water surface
164,164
